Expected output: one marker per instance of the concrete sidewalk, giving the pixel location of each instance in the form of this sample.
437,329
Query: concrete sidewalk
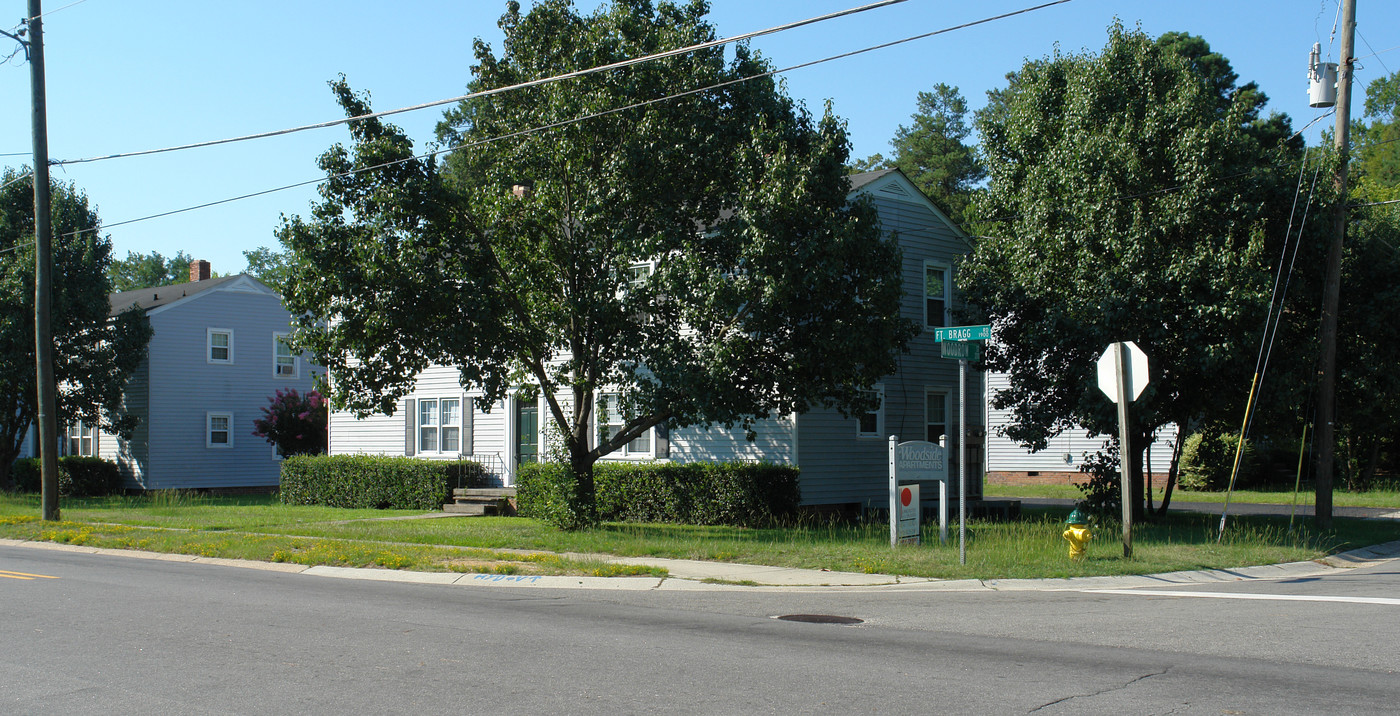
694,575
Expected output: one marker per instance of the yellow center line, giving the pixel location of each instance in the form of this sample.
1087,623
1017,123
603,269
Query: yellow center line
24,575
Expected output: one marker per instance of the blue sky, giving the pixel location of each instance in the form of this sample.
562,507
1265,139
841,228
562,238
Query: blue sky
126,75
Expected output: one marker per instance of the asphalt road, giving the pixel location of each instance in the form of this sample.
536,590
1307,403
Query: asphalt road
101,634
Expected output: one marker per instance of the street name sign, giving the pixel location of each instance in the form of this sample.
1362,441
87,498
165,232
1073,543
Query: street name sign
961,350
962,333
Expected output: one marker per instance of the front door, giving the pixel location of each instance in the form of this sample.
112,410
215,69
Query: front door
527,433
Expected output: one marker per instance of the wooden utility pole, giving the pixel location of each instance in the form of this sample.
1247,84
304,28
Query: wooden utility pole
43,270
1327,369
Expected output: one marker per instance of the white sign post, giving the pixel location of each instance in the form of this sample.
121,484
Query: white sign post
916,460
1122,376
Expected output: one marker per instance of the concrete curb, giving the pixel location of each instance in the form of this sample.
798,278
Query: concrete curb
696,575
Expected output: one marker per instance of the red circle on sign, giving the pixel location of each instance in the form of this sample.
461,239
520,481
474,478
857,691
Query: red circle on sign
905,496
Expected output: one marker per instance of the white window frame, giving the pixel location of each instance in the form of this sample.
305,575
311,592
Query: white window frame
83,432
627,451
279,343
634,279
209,345
947,296
209,429
439,425
943,393
879,412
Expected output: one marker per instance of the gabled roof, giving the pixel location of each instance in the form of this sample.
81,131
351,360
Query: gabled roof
893,184
162,296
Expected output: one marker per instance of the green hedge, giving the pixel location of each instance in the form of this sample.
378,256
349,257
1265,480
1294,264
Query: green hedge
370,481
739,494
78,476
1207,460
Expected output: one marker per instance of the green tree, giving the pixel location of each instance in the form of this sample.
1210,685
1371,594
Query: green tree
1368,391
270,266
149,270
696,257
94,353
1137,192
934,154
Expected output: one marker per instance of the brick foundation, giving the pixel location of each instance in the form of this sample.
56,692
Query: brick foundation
1051,478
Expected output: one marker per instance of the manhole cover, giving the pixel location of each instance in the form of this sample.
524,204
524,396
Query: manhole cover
820,619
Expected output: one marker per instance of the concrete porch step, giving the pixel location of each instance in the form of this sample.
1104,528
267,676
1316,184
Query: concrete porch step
480,501
497,493
471,508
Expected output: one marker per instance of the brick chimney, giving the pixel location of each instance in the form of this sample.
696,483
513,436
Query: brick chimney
199,270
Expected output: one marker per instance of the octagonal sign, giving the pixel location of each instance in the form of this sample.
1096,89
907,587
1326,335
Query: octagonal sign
1136,370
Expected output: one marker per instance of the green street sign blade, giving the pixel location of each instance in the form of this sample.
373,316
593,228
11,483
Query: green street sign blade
961,350
962,333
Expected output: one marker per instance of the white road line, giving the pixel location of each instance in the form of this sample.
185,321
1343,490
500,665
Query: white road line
1237,595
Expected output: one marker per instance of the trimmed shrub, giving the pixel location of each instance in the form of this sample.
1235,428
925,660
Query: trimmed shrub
369,481
88,476
738,494
78,476
542,491
1207,459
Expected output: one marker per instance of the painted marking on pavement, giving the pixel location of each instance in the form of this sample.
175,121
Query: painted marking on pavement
1263,597
24,575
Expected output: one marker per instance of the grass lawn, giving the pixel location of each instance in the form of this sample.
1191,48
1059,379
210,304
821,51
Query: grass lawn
260,528
1372,498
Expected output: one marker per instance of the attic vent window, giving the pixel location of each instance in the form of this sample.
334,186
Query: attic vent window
895,189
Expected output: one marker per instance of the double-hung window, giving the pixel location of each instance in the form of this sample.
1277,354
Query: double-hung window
637,275
218,346
218,430
935,415
936,295
284,361
440,425
872,422
611,421
82,439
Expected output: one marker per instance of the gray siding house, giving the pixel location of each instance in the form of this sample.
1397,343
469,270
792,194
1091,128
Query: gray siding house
844,461
1008,463
214,359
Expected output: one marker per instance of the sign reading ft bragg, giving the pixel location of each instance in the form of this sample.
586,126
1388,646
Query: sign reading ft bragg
919,460
963,333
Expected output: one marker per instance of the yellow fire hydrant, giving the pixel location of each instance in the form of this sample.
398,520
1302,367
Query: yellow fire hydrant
1078,534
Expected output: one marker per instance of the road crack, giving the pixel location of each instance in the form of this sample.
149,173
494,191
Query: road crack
1100,692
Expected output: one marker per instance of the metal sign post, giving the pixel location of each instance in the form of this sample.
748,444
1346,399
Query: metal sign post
960,342
962,461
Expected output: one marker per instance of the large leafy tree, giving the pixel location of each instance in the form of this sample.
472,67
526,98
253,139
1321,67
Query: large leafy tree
149,270
93,353
695,256
268,265
1137,197
1368,399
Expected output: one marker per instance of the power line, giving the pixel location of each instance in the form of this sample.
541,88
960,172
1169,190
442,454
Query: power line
500,90
17,179
1373,52
46,13
575,120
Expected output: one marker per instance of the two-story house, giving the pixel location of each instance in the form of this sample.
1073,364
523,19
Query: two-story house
844,461
215,357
